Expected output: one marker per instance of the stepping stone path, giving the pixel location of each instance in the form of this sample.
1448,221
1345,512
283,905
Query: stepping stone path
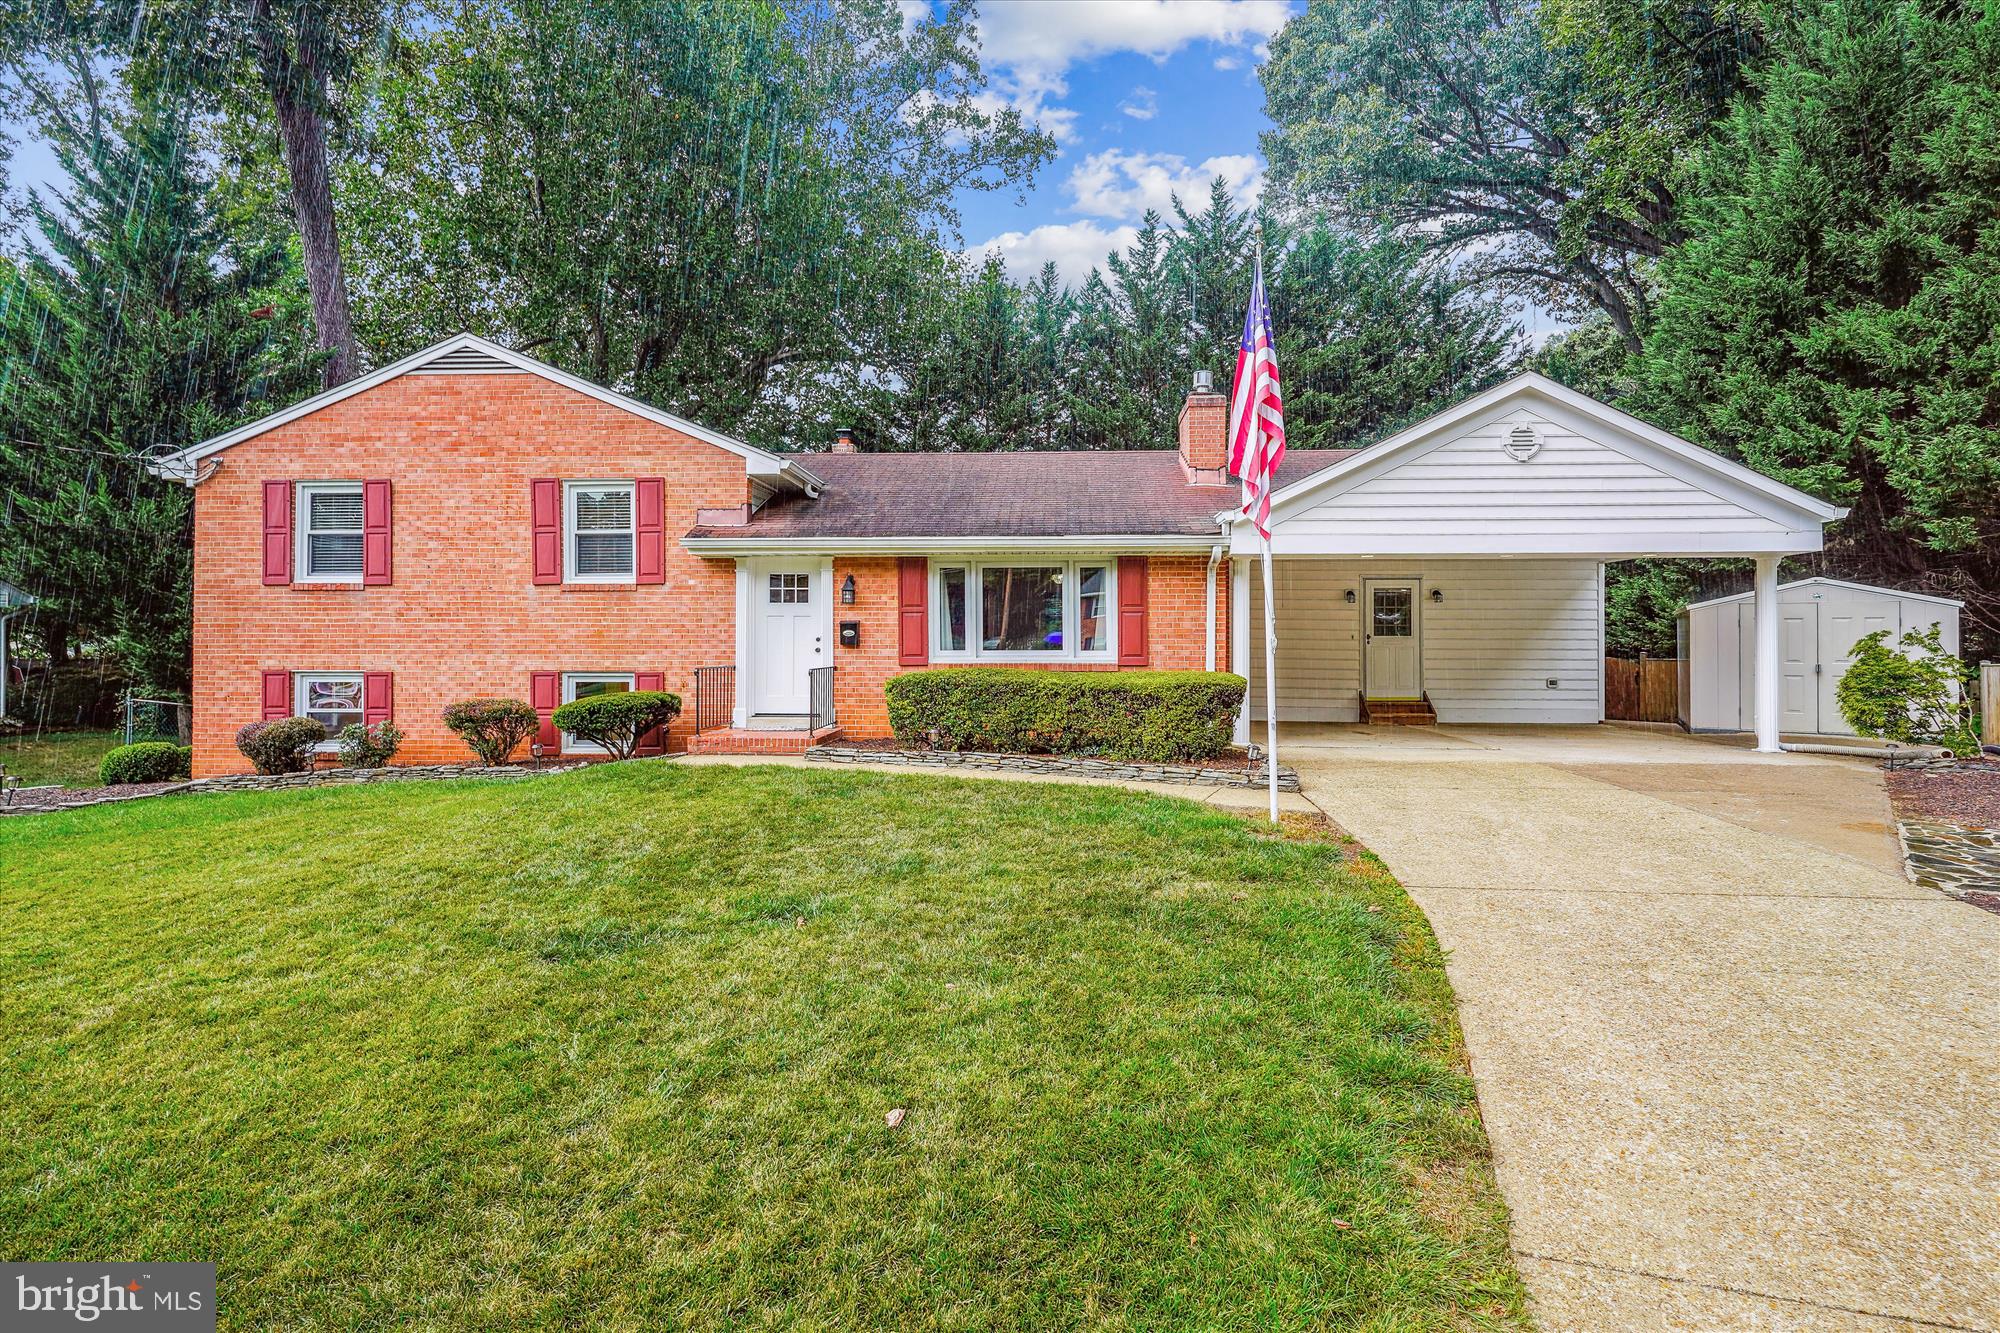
1956,859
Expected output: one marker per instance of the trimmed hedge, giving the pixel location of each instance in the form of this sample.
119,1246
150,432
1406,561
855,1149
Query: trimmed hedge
618,721
1160,716
283,745
147,761
492,728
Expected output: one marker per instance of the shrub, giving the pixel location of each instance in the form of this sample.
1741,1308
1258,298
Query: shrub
364,746
281,746
148,761
1918,694
618,721
492,728
1160,716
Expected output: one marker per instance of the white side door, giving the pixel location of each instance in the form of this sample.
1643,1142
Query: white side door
1798,666
1392,653
785,608
1844,619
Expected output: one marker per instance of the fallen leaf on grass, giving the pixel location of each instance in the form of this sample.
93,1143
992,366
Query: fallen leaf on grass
895,1117
1238,897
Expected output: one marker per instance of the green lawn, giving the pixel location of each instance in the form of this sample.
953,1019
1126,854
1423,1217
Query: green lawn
60,758
614,1049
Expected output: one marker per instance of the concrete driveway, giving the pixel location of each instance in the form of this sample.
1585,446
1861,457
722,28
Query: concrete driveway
1738,1073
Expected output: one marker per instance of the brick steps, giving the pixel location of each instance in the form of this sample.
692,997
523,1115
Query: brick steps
747,740
1399,712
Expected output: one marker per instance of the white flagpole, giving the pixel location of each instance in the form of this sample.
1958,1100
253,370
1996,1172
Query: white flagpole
1270,682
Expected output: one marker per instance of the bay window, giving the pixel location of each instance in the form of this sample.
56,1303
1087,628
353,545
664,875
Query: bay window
1042,610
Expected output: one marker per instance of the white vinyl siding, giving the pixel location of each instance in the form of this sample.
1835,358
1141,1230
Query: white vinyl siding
1504,629
1574,492
329,522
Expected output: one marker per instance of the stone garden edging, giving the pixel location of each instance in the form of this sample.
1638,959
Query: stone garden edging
1057,765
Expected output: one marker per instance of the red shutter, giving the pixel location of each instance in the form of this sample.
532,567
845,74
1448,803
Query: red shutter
375,532
277,532
544,688
547,507
649,508
277,695
1132,611
378,695
912,622
654,741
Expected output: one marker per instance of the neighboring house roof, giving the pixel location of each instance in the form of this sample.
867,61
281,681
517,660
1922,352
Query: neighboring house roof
1824,581
467,354
1010,496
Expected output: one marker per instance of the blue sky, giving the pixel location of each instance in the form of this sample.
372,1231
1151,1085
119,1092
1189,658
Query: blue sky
1146,98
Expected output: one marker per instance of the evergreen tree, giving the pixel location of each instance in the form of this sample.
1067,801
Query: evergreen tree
138,328
1831,320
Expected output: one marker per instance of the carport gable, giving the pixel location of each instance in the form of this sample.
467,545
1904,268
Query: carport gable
1533,468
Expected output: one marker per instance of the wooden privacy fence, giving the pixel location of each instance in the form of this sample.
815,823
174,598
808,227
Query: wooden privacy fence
1643,690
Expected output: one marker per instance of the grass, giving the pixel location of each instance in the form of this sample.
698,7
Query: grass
615,1048
57,758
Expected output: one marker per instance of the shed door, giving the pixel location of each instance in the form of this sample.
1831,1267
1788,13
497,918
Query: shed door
1844,618
1798,666
1392,665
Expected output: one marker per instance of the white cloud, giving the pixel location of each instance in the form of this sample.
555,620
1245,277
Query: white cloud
1053,34
1143,104
1028,45
1122,186
1075,248
1229,62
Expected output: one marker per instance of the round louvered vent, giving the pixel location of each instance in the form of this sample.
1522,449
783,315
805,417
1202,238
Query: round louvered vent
1523,443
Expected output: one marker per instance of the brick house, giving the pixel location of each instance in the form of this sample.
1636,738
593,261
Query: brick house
469,521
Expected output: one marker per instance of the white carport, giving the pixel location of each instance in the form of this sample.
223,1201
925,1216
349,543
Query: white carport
1461,561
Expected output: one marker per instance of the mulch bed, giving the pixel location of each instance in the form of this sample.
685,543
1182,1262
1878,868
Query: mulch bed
56,798
1236,760
1967,794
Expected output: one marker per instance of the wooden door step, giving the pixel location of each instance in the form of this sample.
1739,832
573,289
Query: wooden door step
1399,712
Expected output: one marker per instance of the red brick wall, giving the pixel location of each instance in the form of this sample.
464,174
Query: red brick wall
1176,632
463,617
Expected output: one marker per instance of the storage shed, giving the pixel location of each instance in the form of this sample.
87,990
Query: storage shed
1819,622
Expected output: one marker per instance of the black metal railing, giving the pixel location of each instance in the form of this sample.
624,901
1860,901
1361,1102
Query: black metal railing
819,692
714,697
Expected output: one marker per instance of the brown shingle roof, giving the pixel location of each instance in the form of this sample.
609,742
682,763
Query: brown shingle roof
1069,493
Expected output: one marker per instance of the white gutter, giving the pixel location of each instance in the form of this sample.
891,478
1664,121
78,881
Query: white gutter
1214,559
931,545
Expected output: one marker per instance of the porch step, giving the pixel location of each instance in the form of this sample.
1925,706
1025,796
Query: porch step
1399,712
758,740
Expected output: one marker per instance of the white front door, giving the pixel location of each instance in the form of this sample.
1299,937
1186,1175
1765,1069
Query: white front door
1392,665
785,607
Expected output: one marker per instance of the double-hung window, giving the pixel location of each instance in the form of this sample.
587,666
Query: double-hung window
330,698
1041,610
329,532
600,538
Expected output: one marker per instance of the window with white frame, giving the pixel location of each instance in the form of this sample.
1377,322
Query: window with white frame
329,531
601,537
586,685
1028,610
330,698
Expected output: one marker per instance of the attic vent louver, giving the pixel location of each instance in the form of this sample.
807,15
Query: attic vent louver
465,361
1523,442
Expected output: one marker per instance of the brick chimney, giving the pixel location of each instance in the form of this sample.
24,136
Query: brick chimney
843,440
1204,432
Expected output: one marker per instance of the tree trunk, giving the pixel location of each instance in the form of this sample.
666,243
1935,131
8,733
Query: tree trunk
298,95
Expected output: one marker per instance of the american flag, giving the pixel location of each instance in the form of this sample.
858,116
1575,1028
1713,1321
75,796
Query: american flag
1257,410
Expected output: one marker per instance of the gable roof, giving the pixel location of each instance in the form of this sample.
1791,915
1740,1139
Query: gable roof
1050,495
1692,458
1823,581
467,353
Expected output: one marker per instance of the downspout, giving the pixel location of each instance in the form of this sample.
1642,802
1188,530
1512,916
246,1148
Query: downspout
1214,559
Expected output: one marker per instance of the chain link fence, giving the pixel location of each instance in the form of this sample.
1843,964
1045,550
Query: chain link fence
158,720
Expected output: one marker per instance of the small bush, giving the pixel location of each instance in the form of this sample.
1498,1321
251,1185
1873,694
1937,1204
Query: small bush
148,761
281,746
618,721
492,728
1158,716
369,747
1919,694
